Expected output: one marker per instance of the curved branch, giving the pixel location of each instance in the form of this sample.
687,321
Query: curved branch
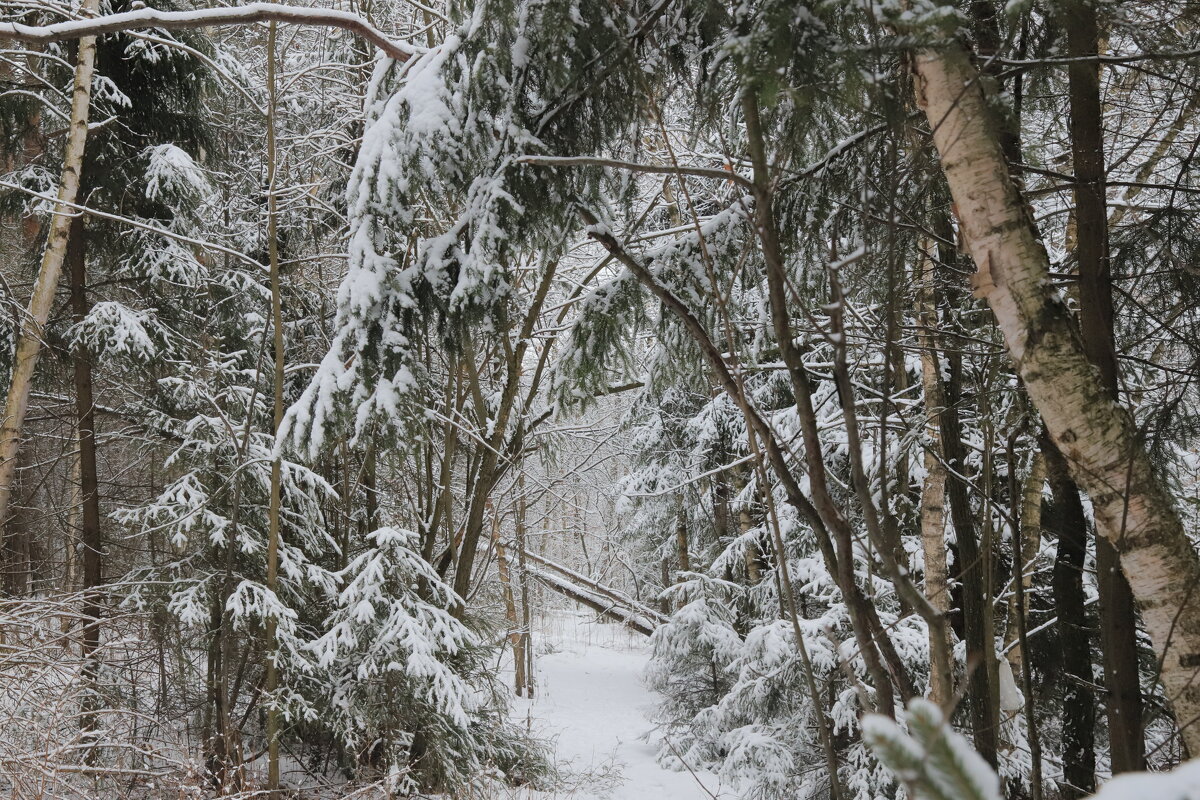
208,17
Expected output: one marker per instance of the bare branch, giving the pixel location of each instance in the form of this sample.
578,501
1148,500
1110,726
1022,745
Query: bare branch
209,17
660,169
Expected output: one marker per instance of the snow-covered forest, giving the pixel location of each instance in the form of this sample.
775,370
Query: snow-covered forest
645,399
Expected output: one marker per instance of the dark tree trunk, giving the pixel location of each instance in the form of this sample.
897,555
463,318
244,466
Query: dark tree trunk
665,577
89,494
681,543
1118,620
1079,710
370,489
989,40
982,693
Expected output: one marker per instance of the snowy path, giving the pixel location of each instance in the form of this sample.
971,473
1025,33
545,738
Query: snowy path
591,703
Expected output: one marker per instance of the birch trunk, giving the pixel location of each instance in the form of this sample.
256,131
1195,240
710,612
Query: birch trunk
515,637
1096,436
933,490
29,341
1031,542
1028,536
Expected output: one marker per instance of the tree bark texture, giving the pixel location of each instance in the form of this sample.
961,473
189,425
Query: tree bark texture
1097,437
33,322
1118,620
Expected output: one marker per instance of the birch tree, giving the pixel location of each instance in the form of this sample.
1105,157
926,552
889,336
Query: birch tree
30,339
1097,437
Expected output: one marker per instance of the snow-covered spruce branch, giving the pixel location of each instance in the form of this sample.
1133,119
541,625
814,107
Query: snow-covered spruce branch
137,224
210,17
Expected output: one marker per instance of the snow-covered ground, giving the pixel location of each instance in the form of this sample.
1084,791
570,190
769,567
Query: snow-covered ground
592,706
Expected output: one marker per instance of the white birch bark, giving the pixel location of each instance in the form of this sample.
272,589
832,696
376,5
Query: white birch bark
1096,435
933,489
1026,552
33,322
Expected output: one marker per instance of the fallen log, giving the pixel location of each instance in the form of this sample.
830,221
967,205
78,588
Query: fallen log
618,597
602,605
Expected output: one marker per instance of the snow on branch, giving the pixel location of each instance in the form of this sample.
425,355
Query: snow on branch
208,17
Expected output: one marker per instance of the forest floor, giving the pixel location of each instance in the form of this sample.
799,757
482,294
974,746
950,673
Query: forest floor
592,706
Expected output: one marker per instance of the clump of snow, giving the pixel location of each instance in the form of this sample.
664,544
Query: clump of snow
114,329
1183,783
172,173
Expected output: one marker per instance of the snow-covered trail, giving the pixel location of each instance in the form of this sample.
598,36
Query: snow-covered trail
593,707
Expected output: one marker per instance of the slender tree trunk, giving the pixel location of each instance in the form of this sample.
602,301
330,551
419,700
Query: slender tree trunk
722,519
16,554
788,600
70,537
33,322
944,397
1024,553
515,640
1118,620
213,760
754,556
89,492
369,486
490,469
981,652
581,531
228,768
894,382
523,583
664,577
223,750
681,542
1079,704
1028,536
345,524
754,565
933,490
271,683
443,509
987,539
1118,639
837,547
